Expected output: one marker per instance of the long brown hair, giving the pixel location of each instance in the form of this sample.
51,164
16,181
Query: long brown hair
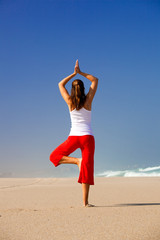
78,96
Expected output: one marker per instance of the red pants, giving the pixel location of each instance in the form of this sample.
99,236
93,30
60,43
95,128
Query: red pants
87,145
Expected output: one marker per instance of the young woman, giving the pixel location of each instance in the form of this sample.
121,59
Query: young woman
81,135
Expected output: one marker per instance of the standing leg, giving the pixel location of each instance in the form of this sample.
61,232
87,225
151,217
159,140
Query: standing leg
86,176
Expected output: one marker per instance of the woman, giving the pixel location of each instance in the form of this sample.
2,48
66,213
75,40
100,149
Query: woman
81,135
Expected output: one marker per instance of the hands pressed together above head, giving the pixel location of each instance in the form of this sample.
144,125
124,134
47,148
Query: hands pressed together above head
76,68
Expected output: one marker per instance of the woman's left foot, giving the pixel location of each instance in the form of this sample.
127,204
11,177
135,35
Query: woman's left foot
89,205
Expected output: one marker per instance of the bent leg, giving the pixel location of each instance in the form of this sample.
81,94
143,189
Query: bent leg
60,154
71,160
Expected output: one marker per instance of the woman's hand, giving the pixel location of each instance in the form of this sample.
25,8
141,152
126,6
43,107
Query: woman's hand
76,68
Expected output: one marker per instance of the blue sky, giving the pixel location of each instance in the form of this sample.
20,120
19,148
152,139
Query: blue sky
116,41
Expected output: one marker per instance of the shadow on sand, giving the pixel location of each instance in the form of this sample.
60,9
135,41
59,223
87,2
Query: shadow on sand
131,205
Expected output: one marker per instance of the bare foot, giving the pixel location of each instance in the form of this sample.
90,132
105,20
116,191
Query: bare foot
89,205
79,163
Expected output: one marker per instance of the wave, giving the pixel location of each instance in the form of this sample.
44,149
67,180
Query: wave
139,172
149,169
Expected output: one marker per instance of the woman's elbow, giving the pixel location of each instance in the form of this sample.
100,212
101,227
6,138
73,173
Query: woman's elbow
96,79
60,84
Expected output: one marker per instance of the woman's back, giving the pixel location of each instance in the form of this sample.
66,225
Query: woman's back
80,122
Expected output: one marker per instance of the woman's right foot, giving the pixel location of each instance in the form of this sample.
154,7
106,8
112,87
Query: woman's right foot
79,163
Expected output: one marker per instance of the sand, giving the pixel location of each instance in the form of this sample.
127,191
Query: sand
51,209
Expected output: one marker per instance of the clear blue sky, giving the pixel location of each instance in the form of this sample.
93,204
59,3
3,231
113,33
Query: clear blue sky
118,42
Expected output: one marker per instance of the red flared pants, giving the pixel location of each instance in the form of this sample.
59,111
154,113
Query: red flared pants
87,145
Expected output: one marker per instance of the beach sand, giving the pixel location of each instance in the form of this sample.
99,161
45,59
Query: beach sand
51,209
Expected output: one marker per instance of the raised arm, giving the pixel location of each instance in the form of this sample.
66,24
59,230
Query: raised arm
64,81
62,88
93,87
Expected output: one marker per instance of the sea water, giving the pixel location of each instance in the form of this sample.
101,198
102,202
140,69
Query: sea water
139,172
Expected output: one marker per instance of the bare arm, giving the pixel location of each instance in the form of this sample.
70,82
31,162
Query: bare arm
62,88
64,81
93,87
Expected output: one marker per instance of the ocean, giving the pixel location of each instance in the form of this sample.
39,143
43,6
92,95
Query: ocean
139,172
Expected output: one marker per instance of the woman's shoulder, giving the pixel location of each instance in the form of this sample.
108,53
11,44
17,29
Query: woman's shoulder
70,105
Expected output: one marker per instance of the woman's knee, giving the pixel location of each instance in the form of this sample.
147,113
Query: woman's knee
53,156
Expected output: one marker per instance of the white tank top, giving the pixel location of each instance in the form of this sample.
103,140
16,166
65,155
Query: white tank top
80,122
